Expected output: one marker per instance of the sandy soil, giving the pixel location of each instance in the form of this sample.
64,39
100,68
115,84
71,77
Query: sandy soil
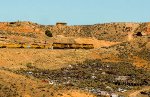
137,92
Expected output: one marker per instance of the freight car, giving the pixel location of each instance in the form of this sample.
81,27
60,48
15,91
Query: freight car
34,46
72,46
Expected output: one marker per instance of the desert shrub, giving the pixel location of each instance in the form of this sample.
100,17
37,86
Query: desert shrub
48,33
29,65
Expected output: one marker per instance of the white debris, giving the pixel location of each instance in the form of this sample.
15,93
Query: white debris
121,90
70,66
114,95
51,82
103,73
93,77
30,72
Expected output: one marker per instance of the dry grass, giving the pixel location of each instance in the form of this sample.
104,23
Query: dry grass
46,59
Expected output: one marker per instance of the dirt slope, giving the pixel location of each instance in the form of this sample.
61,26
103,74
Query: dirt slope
113,42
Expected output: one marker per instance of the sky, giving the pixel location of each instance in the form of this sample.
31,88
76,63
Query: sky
75,12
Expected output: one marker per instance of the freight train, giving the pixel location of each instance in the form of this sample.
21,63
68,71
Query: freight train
49,46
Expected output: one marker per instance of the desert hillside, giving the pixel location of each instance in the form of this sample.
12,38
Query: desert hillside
119,63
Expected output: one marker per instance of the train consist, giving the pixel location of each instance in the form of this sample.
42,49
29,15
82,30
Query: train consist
49,46
72,46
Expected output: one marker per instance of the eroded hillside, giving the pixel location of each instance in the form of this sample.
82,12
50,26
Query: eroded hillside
118,47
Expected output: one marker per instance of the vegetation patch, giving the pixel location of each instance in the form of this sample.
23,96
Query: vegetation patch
94,76
48,33
29,34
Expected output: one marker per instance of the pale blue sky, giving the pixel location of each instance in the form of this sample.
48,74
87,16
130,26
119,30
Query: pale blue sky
75,11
